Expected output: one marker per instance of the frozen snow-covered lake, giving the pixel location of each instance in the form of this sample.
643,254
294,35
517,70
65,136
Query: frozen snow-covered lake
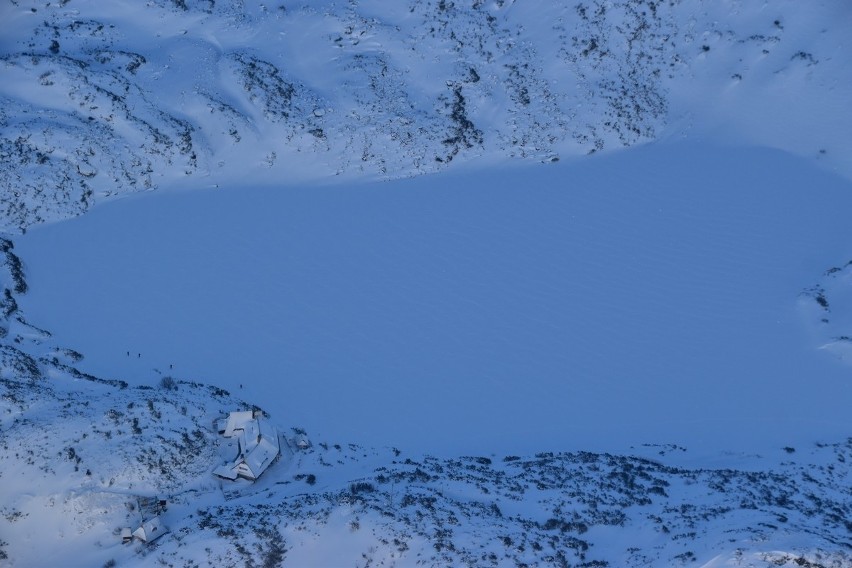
646,296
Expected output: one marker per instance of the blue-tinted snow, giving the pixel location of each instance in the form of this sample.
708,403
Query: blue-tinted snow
645,296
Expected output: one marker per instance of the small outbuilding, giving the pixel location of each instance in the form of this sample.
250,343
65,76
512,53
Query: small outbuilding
151,527
150,530
255,449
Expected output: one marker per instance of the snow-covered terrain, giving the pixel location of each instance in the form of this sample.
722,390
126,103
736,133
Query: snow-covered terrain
634,358
100,99
643,296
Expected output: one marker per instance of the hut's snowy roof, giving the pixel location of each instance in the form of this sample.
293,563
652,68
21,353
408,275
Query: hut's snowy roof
235,421
258,445
150,530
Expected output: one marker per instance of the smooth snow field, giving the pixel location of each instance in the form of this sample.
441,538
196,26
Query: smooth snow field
651,295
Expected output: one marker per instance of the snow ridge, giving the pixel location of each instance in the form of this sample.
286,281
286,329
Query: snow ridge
78,449
100,100
85,450
104,101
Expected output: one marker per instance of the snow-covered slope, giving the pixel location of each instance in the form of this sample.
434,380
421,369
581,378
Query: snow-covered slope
647,306
72,467
77,450
630,359
646,296
103,99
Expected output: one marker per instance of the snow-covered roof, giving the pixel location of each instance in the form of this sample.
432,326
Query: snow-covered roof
235,421
259,446
150,530
257,441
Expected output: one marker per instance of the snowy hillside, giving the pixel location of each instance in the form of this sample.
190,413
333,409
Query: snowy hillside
511,310
78,450
100,99
73,467
611,326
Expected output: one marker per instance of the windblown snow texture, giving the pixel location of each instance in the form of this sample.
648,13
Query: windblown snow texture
492,365
100,100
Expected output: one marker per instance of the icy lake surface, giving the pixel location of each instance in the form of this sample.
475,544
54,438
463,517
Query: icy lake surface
644,296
